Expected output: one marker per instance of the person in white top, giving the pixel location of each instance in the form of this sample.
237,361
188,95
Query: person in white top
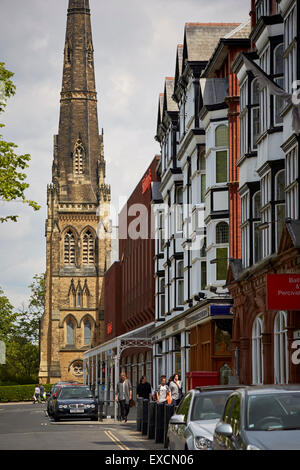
36,395
163,390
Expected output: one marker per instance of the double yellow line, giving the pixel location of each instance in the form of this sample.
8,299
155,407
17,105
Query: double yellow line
116,440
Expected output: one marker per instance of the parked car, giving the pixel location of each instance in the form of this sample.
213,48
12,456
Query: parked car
193,425
75,401
54,393
260,418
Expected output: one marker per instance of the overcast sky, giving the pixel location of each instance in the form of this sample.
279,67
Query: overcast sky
135,47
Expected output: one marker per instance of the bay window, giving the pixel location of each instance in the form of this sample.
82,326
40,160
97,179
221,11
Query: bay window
257,236
266,216
290,49
292,186
279,79
245,229
280,205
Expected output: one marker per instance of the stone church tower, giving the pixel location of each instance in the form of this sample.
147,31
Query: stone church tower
77,227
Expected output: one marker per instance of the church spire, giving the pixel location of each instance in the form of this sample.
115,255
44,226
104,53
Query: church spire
78,144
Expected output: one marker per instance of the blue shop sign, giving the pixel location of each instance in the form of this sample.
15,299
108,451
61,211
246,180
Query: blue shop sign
220,310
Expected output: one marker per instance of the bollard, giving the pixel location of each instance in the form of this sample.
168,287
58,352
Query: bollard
151,420
159,423
139,410
100,411
168,413
145,416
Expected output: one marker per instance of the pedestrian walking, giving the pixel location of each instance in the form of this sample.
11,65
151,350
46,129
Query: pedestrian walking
36,395
163,390
124,395
42,392
175,389
143,389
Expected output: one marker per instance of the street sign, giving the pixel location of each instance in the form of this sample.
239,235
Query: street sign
283,291
2,353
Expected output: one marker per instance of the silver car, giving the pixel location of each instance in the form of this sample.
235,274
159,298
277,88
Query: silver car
260,418
193,425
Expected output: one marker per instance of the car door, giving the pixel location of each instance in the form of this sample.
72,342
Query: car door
236,422
181,432
222,442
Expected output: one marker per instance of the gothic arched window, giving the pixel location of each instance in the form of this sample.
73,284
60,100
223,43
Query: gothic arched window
78,158
281,349
87,332
257,351
70,332
69,248
90,52
88,248
68,53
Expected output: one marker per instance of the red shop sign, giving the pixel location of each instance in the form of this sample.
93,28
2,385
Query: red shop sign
109,328
283,291
146,182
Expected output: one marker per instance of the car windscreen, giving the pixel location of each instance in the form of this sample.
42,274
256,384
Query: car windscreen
273,411
209,406
75,392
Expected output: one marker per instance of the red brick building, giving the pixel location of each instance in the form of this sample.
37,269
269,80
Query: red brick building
129,294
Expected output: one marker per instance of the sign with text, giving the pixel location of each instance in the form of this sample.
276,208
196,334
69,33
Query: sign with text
283,291
146,182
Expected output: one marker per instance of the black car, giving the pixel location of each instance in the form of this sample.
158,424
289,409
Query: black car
75,402
54,393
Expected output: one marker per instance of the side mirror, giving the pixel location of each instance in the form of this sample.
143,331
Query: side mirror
177,419
224,429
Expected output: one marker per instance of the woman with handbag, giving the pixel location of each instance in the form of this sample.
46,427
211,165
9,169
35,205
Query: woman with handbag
175,389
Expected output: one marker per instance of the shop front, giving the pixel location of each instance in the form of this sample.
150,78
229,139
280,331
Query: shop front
266,325
210,345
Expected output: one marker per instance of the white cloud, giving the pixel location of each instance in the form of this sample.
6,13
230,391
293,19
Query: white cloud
135,47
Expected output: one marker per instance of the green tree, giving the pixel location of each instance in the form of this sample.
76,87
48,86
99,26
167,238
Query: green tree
29,317
20,332
12,166
7,318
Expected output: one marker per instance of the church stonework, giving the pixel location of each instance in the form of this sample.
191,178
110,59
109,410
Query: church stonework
77,226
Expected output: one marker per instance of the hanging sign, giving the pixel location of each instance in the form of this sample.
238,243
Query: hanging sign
283,291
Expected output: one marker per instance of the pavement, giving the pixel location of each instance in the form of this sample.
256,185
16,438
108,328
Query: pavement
25,426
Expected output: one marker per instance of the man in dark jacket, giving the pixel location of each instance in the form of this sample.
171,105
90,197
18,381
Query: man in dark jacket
143,389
